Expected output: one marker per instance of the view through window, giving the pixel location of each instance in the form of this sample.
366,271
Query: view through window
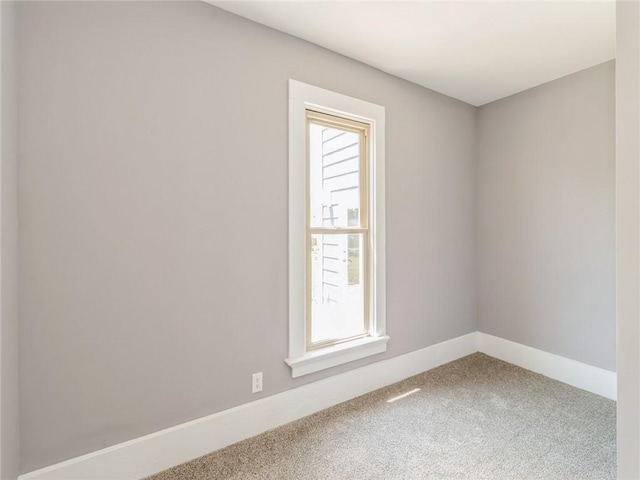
338,235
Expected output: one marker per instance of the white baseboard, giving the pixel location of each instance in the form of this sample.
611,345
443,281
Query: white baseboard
593,379
153,453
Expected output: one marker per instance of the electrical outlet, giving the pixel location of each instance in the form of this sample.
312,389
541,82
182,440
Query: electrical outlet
256,383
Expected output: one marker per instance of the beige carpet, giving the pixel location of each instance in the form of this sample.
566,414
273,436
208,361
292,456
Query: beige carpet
475,418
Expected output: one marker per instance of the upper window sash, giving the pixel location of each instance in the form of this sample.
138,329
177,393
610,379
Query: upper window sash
363,132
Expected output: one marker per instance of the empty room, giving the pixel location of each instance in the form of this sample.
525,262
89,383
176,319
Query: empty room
319,240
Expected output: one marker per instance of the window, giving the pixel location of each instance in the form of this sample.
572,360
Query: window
336,229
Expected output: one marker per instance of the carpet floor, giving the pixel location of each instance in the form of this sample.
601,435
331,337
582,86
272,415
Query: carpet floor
475,418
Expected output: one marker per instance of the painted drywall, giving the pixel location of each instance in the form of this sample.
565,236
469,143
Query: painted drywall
9,401
546,217
153,215
628,237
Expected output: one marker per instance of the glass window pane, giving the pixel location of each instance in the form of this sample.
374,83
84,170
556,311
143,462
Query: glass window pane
337,287
334,176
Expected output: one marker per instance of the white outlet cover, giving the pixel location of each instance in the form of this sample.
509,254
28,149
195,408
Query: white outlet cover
256,383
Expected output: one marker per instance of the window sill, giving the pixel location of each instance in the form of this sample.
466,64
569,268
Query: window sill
328,357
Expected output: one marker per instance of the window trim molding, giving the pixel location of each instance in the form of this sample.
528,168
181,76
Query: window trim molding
301,97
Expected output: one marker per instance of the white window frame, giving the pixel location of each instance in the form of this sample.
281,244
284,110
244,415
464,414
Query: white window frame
302,360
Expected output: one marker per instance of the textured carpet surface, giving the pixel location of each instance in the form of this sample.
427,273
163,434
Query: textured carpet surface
475,418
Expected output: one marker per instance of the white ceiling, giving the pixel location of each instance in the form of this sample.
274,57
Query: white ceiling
476,51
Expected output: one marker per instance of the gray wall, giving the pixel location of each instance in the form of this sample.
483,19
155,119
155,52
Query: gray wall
153,179
628,235
9,401
546,217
